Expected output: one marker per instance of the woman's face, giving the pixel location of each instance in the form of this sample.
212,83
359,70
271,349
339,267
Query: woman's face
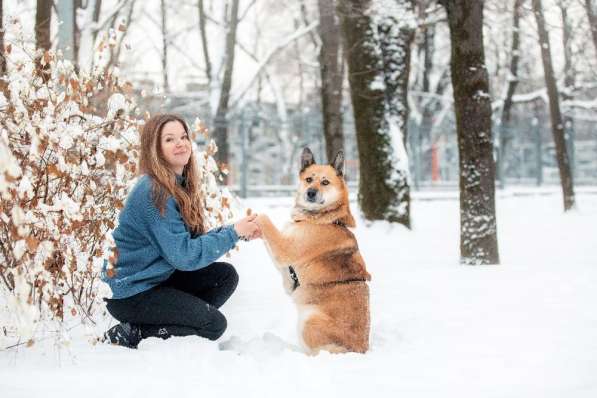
175,145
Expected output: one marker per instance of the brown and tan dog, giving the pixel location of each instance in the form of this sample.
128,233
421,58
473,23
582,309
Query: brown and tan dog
320,262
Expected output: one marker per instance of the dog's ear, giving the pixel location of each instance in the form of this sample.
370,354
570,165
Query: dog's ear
307,159
338,163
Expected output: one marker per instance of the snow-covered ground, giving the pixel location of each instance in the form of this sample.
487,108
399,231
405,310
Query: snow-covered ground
526,328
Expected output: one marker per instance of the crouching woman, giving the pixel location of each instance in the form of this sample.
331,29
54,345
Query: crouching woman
166,281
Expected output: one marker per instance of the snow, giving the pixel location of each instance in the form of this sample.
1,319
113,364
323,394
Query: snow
524,328
398,153
116,103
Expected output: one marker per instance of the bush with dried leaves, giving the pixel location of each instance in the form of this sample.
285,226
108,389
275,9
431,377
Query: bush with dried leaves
68,154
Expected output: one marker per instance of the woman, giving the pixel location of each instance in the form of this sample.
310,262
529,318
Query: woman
165,281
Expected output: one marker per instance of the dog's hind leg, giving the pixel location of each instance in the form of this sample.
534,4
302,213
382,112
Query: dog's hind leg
318,334
334,349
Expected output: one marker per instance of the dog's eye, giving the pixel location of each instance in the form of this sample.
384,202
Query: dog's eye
309,180
325,182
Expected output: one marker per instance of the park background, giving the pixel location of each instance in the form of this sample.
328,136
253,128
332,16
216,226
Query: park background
471,155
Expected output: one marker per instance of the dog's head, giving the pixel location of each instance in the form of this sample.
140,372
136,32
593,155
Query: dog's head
321,186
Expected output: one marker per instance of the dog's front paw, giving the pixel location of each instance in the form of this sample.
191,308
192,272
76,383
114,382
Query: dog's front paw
262,220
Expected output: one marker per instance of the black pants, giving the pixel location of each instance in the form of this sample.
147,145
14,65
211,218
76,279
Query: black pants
185,304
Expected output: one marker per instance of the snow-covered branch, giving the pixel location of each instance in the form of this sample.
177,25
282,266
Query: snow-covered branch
270,55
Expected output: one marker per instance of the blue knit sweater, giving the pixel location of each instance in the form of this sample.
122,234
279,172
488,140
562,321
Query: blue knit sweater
151,246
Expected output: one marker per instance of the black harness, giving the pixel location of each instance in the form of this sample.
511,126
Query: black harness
295,281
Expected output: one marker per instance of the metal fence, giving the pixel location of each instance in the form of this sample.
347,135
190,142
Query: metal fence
265,145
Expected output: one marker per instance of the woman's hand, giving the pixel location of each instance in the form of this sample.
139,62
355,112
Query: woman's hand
247,229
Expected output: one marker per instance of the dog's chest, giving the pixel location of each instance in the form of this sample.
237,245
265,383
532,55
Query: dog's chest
303,232
288,232
293,230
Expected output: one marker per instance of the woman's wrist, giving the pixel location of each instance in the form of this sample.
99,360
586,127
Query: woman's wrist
235,233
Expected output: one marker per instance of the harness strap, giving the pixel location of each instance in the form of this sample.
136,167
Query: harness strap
296,283
340,282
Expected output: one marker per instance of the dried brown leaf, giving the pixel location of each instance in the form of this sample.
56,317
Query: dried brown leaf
111,272
32,244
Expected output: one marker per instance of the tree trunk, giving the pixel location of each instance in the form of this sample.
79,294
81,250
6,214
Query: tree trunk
429,49
221,122
76,35
557,124
312,36
202,31
330,66
115,24
422,139
115,52
569,72
301,73
97,8
377,54
2,59
505,134
592,21
164,48
43,18
396,38
472,104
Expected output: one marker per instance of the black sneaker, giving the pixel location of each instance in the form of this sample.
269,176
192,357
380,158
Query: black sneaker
123,334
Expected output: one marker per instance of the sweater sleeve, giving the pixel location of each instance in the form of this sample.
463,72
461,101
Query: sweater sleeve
168,234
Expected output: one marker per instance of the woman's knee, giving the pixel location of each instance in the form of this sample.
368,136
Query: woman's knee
120,309
230,274
217,326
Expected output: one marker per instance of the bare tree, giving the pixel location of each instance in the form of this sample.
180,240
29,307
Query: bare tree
396,32
428,106
202,31
377,48
97,7
332,76
164,47
505,135
426,51
85,32
77,4
221,126
43,18
301,69
470,84
88,27
2,58
569,73
557,124
122,25
590,9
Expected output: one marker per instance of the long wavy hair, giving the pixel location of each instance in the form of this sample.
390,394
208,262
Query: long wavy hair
153,163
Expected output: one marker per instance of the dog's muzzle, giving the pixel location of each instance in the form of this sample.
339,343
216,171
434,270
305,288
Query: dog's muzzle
311,195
